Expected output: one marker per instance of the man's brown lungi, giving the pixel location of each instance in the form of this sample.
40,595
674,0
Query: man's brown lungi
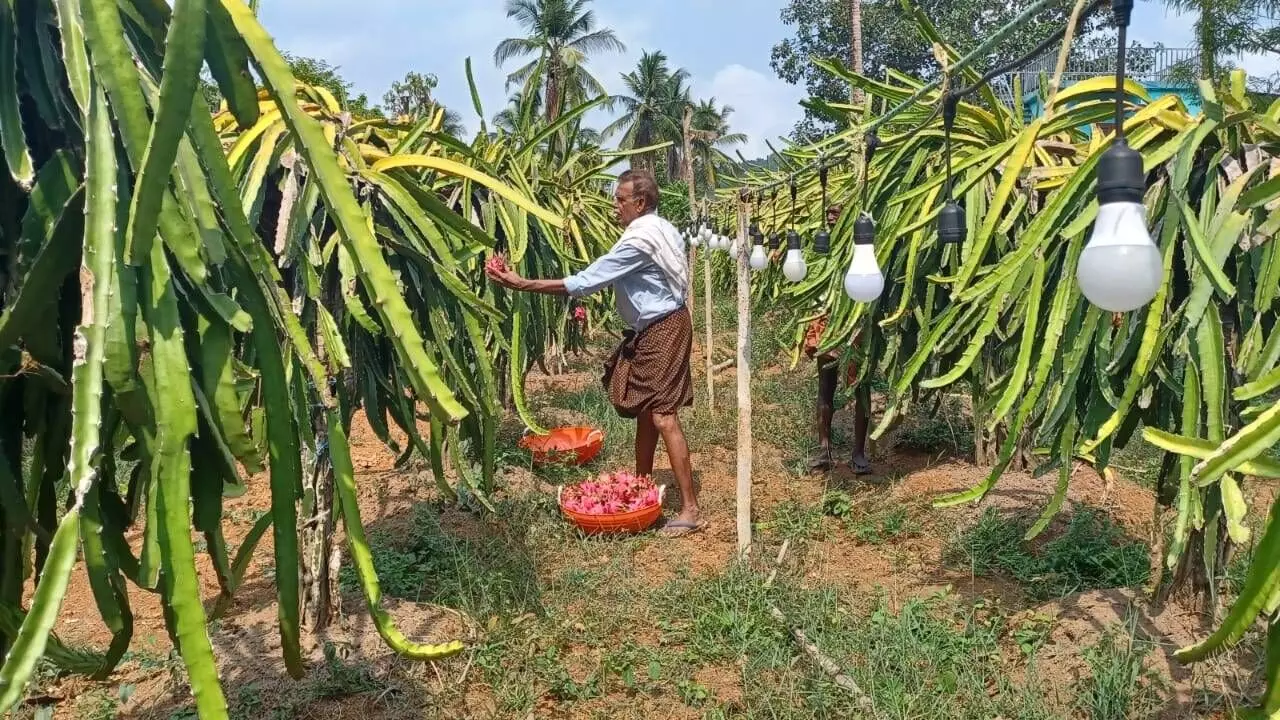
649,372
812,337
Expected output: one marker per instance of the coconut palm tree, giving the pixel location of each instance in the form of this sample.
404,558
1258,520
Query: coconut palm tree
855,28
652,104
710,136
519,116
561,36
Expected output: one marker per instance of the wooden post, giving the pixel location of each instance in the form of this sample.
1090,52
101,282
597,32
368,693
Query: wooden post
744,377
706,290
687,127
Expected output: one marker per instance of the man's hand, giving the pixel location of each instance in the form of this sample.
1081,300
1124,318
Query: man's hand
505,277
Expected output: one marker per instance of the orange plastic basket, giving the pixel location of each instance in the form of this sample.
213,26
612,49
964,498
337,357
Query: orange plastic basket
571,445
628,522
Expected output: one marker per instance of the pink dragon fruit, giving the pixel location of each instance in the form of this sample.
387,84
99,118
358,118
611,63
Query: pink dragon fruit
611,493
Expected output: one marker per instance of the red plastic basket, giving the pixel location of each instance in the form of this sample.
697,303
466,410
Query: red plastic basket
571,445
628,522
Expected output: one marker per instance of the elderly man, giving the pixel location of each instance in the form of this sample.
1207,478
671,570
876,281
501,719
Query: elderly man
648,377
828,379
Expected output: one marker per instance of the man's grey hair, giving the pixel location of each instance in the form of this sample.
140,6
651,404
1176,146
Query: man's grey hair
642,184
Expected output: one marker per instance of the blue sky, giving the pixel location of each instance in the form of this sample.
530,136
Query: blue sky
375,42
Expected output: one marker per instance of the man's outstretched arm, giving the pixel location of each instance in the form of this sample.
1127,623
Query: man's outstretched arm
605,271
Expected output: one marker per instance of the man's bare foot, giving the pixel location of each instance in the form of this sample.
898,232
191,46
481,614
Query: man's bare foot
685,523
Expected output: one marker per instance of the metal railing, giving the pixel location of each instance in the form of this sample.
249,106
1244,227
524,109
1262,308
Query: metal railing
1158,65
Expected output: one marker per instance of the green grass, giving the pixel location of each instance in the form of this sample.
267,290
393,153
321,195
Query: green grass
483,577
1092,553
932,658
599,628
1119,687
1139,462
948,431
792,520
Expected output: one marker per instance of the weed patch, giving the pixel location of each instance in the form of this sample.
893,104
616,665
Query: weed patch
1092,553
483,576
873,524
1119,687
932,658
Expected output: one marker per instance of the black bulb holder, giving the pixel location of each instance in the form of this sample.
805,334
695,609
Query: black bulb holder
775,241
793,240
1122,10
1120,175
757,237
864,230
872,141
822,242
951,223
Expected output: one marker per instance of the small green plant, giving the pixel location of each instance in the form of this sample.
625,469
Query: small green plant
1119,686
837,504
1030,632
562,685
692,693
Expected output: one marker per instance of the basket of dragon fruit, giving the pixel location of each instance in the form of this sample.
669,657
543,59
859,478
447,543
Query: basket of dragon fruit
616,502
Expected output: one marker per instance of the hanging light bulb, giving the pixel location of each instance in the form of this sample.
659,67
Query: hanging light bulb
759,260
705,232
793,266
864,282
1121,268
822,239
733,248
951,221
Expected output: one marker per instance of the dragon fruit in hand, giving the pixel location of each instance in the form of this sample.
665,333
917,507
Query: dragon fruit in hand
496,263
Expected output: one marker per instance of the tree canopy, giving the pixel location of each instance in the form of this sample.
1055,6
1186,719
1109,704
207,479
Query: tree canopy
822,30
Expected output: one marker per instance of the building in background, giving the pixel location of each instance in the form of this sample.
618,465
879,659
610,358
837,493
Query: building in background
1160,70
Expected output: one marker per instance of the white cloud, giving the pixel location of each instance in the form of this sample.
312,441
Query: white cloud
764,106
